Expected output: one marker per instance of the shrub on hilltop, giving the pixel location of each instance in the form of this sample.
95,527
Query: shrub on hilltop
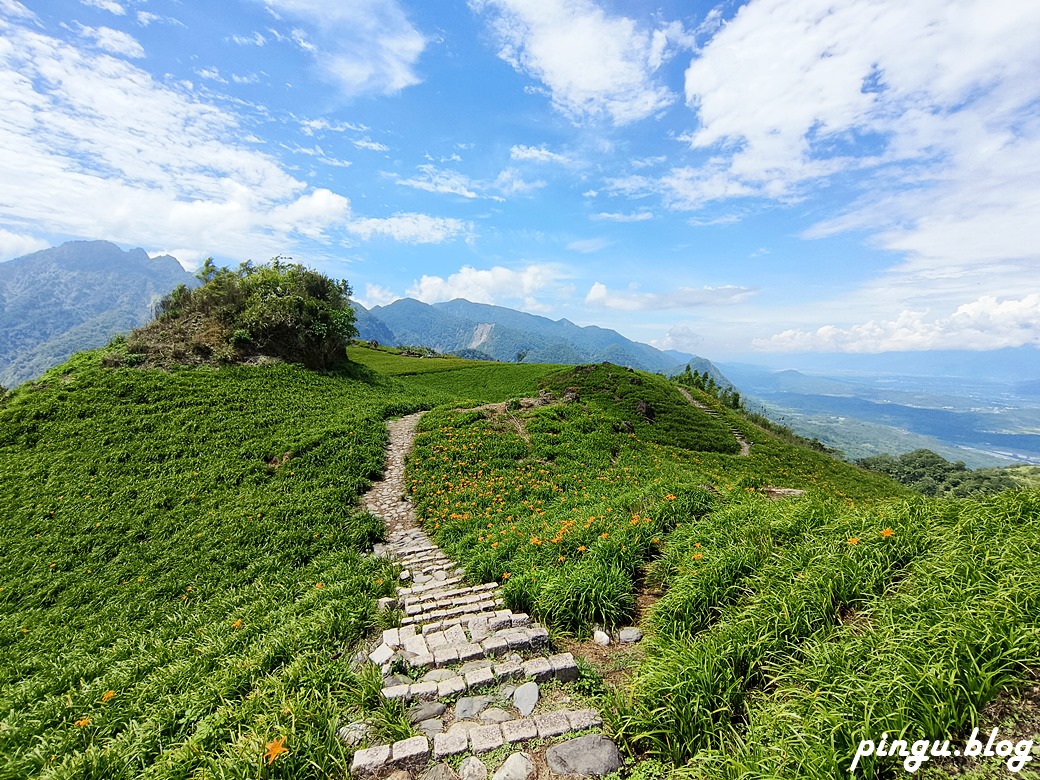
276,310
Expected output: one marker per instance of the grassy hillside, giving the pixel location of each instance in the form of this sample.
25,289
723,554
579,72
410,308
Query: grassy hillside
182,582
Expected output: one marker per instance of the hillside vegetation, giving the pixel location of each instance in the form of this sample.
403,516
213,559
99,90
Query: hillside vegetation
183,582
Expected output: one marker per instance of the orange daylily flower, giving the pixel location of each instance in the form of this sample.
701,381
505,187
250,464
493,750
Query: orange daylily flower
275,748
853,540
887,532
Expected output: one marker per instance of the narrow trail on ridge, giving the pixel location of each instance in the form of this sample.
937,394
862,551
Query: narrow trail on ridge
745,445
473,675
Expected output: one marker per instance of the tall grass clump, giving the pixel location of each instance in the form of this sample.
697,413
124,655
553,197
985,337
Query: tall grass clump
181,580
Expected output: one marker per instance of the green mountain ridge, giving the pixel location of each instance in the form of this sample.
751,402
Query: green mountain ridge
77,296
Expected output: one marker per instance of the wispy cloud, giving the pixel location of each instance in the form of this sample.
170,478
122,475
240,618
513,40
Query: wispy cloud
593,64
537,154
106,5
364,46
679,298
114,41
409,228
442,181
370,145
589,245
613,216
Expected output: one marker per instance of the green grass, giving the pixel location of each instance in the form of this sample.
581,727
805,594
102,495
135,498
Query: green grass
565,508
182,581
189,541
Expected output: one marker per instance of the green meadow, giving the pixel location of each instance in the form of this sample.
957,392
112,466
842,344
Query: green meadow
183,580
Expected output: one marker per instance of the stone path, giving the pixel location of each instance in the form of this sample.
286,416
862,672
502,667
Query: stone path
745,445
473,672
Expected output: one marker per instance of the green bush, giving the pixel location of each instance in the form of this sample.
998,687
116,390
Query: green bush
591,592
280,310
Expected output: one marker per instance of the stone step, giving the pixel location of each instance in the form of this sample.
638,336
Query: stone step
561,666
485,605
465,619
416,751
432,599
454,644
426,587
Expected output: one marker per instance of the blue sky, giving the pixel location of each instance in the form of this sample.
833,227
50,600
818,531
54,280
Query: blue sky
742,181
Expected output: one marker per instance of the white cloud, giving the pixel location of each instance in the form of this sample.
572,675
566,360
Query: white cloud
409,228
15,10
496,285
256,39
537,154
510,182
937,99
636,216
313,126
363,46
680,337
679,298
589,245
18,244
592,64
442,181
370,145
984,324
191,181
376,295
114,41
106,5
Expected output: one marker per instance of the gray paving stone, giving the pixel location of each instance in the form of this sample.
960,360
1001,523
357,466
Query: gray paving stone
443,656
451,687
514,731
520,619
630,634
486,738
421,661
494,646
468,652
584,719
538,636
495,715
381,655
525,698
424,691
455,635
471,706
472,768
501,622
590,756
518,766
435,639
564,667
451,743
425,711
392,637
478,677
508,670
552,724
537,668
416,644
369,760
437,675
396,692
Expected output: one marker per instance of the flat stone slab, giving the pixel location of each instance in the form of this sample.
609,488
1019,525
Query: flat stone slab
519,731
486,738
415,750
591,755
370,760
471,706
630,635
472,768
451,743
552,724
518,766
525,698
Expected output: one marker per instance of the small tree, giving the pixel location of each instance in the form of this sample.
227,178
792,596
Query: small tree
279,309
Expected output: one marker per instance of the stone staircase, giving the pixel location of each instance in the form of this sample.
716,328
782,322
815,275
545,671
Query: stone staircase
472,672
745,445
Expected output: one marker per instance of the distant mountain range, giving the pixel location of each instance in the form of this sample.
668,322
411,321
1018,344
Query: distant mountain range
77,296
481,331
